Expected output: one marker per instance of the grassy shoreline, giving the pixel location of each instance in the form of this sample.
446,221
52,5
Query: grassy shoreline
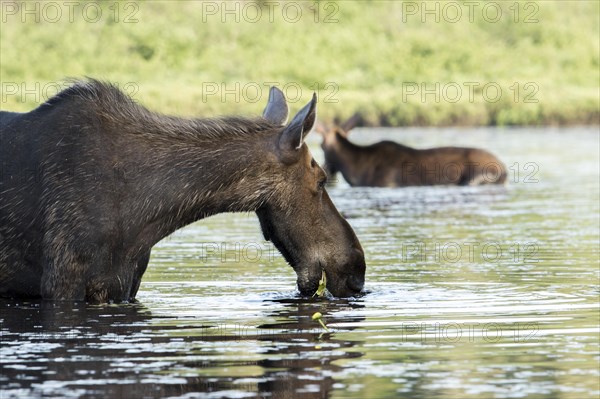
393,63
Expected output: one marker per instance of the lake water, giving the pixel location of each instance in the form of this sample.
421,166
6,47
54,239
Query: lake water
472,292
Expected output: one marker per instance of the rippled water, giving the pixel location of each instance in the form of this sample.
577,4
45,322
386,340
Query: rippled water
484,292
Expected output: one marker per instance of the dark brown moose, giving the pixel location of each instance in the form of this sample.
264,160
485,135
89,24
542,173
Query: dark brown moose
90,181
389,164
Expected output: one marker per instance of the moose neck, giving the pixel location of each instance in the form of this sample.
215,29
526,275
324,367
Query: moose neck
348,157
195,170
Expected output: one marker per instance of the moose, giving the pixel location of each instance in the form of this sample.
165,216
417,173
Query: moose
90,180
390,164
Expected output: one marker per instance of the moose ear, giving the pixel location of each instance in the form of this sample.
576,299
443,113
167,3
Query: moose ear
293,135
276,110
351,123
321,128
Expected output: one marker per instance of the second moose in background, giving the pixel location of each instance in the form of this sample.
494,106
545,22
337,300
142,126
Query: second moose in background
390,164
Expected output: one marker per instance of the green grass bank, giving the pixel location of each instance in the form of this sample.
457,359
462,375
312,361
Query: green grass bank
397,63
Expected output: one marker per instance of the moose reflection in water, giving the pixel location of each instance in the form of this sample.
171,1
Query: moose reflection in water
389,164
92,180
302,344
127,352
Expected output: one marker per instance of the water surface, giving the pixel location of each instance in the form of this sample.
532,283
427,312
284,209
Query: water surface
473,292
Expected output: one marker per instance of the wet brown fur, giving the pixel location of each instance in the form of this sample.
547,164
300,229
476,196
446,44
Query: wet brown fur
91,180
390,164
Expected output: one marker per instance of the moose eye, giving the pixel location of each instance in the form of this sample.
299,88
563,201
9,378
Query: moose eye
322,183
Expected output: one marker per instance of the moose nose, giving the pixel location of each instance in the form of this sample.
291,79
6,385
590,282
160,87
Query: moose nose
355,283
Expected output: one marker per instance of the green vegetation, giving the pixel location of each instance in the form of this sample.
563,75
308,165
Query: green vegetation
322,286
319,317
390,60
